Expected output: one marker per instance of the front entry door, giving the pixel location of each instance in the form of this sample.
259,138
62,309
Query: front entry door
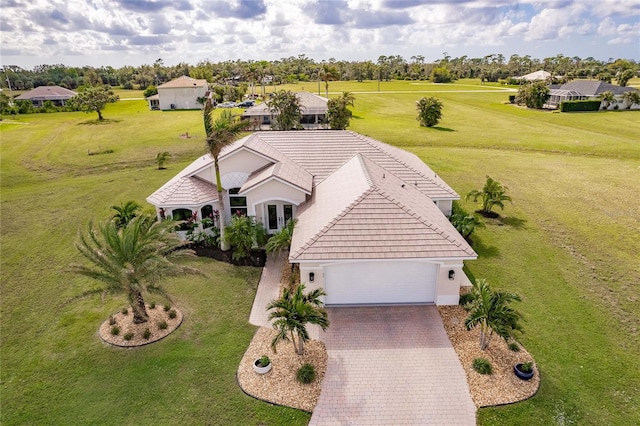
278,215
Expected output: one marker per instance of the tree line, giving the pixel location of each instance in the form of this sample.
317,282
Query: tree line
491,68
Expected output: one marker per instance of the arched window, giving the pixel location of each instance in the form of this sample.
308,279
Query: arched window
237,203
209,217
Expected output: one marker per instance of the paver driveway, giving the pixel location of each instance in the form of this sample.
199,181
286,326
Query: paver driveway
391,365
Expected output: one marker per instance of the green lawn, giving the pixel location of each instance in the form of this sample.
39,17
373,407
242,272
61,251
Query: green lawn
568,245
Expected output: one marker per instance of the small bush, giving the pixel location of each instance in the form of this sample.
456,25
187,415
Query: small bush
124,311
146,334
482,366
306,374
526,367
128,336
465,299
152,305
112,320
173,314
167,307
162,325
512,99
115,330
514,347
264,361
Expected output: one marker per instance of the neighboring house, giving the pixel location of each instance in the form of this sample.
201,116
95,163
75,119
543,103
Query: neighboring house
180,93
587,89
534,76
372,225
314,113
56,94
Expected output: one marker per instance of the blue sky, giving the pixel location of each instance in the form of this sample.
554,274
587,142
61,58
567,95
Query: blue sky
135,32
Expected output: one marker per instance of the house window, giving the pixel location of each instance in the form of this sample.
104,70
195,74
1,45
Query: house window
237,203
209,217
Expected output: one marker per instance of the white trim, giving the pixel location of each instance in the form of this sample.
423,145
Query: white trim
440,260
251,151
276,178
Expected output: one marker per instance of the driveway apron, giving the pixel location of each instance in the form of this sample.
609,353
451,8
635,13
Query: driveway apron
391,365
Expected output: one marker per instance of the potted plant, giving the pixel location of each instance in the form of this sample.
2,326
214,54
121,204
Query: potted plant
262,365
524,370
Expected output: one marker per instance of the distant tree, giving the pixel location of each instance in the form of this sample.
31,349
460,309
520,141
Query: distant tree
94,99
604,76
162,158
440,75
285,105
607,98
429,111
150,91
492,194
125,213
534,94
328,73
338,114
624,77
631,97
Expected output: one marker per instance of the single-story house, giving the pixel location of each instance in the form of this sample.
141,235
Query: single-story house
588,89
372,218
56,94
534,76
313,107
180,93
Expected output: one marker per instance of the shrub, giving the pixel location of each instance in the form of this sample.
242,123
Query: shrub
482,366
167,307
264,361
526,367
162,325
128,336
512,99
125,311
514,347
152,305
465,299
146,334
586,105
173,314
429,111
306,374
115,330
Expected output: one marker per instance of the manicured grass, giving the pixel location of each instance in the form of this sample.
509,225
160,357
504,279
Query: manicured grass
568,245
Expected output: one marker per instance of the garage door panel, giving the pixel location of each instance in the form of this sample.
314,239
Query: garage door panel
380,282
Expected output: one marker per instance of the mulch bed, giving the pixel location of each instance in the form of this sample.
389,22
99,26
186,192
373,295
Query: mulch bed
126,325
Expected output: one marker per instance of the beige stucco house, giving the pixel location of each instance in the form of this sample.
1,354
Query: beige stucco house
180,93
372,218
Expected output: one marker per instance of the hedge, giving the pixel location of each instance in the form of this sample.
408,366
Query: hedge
587,105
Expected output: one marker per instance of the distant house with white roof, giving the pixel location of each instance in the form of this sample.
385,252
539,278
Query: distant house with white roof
180,93
535,76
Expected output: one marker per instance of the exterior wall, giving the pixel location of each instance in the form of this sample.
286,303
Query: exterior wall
448,291
318,278
181,97
273,190
242,161
445,206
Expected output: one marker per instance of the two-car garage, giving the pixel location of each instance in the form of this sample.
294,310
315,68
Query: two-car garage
380,282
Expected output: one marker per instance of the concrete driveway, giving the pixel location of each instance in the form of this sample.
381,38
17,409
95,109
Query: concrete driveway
391,365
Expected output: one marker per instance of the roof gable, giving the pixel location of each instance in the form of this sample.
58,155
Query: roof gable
182,82
187,190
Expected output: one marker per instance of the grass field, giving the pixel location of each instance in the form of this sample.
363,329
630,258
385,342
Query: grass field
568,245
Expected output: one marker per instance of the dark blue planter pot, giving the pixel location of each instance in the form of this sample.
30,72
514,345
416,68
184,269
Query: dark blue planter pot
521,374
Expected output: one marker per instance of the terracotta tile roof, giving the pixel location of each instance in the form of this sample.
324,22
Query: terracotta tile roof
184,191
47,93
376,216
183,81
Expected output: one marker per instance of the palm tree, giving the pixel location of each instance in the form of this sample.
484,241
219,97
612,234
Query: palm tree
220,133
327,74
285,105
338,114
282,240
631,98
607,98
429,111
131,259
162,158
491,311
464,222
125,213
493,194
293,311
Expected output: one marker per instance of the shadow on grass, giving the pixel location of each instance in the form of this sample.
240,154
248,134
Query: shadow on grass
514,222
99,122
482,249
357,117
442,129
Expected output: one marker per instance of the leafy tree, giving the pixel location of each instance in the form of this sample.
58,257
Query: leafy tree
243,234
624,77
125,213
631,97
94,99
285,105
492,194
604,76
490,311
607,98
338,114
429,111
282,240
440,75
220,133
162,158
464,222
534,94
293,311
150,91
131,259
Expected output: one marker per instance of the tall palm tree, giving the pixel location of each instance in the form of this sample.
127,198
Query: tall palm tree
293,311
328,73
131,259
490,311
492,194
125,213
221,132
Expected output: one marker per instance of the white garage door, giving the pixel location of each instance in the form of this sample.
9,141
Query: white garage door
380,282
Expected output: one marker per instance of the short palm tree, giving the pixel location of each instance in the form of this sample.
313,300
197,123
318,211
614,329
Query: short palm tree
464,222
492,194
291,314
131,259
607,98
125,213
490,311
221,132
429,111
162,158
631,98
282,240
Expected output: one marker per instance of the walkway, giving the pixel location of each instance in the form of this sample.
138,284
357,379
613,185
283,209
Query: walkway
391,366
267,289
